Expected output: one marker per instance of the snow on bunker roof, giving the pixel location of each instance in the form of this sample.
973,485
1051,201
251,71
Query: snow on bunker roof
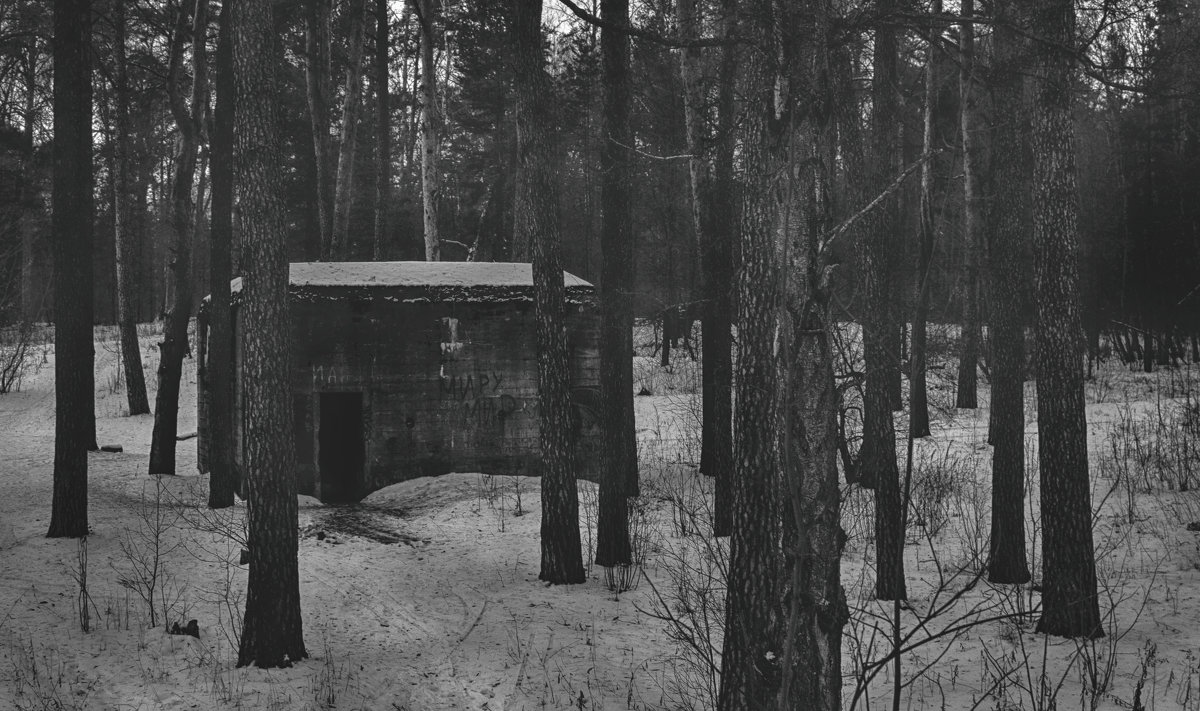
418,274
421,281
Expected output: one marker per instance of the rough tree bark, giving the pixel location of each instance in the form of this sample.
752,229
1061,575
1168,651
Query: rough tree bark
538,221
968,354
1069,603
430,189
188,120
131,354
351,110
620,478
272,632
317,76
1008,222
71,224
880,346
219,370
931,183
383,131
785,607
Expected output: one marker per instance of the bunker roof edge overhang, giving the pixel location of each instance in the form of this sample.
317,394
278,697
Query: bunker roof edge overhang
418,282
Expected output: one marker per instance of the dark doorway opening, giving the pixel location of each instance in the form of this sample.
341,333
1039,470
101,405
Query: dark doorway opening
341,447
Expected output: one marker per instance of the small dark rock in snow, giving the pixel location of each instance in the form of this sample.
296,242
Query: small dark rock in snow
1194,526
320,535
111,448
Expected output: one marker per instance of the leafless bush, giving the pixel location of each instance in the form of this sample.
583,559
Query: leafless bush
1161,447
145,549
15,356
623,578
332,681
84,605
939,478
692,605
41,680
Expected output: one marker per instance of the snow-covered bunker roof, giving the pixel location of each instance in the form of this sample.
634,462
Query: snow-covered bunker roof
421,281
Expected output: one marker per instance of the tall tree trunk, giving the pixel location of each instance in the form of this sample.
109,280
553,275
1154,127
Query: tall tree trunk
430,189
718,339
968,355
32,292
272,632
131,353
1069,603
71,223
918,398
351,109
222,478
174,345
713,217
620,477
318,76
1008,221
817,604
538,221
383,132
785,608
880,330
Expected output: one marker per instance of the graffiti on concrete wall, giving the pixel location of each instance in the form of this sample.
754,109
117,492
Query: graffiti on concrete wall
471,386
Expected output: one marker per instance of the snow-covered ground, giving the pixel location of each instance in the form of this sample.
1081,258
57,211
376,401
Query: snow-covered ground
426,595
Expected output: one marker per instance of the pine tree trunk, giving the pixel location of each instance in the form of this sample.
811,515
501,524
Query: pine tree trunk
918,398
429,133
538,221
968,356
718,338
174,345
219,369
351,109
712,215
272,632
1069,603
318,76
750,674
1007,221
131,354
71,224
32,294
880,330
383,132
620,474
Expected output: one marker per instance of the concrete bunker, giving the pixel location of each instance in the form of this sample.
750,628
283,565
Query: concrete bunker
409,369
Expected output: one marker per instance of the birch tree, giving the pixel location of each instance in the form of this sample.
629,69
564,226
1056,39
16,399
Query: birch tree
785,607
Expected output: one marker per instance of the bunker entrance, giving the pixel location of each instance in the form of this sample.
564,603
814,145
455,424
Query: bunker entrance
341,447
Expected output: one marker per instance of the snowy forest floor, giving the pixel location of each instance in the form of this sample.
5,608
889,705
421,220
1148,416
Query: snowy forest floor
425,596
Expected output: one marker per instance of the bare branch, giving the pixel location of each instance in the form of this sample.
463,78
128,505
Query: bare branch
650,35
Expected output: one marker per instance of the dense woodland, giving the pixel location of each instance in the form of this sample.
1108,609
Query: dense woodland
1134,122
1024,171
